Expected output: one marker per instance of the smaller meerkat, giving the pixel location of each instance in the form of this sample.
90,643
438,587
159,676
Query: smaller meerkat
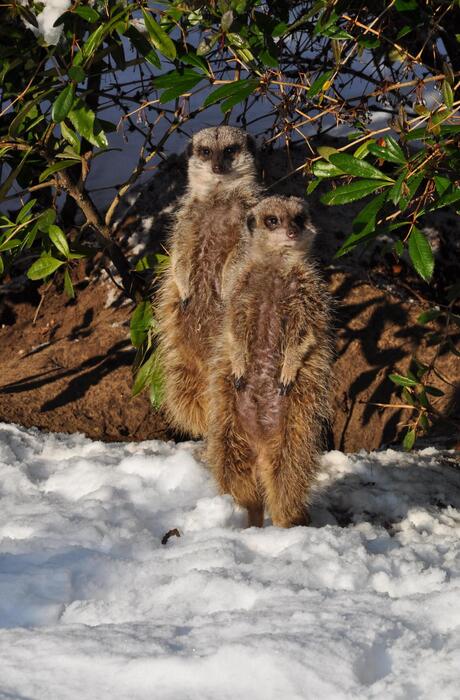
269,395
221,188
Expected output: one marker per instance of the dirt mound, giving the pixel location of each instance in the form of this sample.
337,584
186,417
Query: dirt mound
66,366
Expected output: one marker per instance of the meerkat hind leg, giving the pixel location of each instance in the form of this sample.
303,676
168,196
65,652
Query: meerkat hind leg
256,515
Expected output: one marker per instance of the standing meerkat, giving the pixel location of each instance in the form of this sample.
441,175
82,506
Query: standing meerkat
221,188
271,378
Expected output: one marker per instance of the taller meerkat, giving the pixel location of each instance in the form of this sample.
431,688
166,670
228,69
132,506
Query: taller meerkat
272,372
221,188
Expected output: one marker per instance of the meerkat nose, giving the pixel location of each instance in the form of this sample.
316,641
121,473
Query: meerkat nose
292,233
217,168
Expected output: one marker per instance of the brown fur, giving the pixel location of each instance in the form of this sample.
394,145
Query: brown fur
271,375
221,188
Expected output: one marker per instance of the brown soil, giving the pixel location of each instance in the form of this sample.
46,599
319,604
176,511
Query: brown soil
67,367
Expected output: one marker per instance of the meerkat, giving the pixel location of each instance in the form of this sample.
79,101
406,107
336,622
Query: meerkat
269,394
222,186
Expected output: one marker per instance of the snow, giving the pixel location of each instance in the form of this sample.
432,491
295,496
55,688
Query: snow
46,18
363,604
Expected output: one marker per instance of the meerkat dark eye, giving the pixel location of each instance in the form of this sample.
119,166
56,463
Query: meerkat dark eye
299,220
205,151
230,150
271,222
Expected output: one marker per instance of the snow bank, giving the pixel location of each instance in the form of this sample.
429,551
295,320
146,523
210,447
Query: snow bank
364,604
46,18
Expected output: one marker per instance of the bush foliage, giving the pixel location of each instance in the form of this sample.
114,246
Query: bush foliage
305,66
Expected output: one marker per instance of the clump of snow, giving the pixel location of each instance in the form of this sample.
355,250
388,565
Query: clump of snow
46,19
363,604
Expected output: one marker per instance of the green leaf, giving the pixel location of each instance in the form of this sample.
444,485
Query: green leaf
240,88
43,267
434,391
319,83
353,191
206,44
391,152
2,266
71,137
85,122
25,210
395,193
77,74
87,13
447,94
55,168
428,316
47,218
17,123
10,244
182,84
68,286
174,78
59,240
93,41
151,374
321,168
158,37
409,439
421,254
413,184
354,166
8,182
402,381
140,323
363,225
238,97
144,47
442,184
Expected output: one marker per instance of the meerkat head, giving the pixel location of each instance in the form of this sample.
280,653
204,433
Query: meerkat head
281,222
221,156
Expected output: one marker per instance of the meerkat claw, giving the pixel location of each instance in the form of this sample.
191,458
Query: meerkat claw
184,303
239,382
284,389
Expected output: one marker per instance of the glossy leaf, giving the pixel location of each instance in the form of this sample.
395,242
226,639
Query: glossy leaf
43,267
322,168
88,13
68,286
56,167
421,254
353,191
319,83
357,167
140,323
85,122
160,40
239,89
144,47
59,240
402,381
409,439
363,225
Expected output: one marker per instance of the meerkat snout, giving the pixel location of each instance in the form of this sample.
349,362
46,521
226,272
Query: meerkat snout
219,157
281,222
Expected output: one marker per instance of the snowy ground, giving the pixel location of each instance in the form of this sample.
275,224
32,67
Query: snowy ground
365,604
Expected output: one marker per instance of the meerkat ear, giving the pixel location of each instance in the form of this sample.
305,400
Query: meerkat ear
251,222
251,144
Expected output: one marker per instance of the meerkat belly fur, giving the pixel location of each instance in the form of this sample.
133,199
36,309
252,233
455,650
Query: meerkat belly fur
221,188
271,377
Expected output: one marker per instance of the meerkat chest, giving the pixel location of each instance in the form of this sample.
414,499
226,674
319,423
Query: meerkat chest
218,229
268,292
